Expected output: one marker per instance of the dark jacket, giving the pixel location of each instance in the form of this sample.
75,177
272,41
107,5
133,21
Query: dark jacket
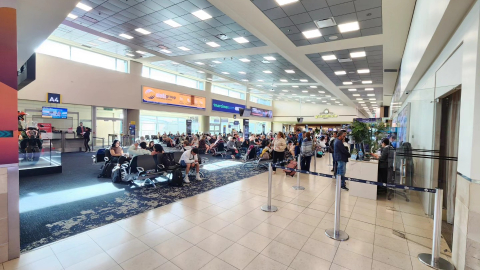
79,130
386,158
340,153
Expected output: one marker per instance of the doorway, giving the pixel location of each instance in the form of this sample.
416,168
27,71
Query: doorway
448,147
109,128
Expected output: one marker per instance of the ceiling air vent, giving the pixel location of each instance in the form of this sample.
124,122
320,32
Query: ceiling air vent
222,37
389,70
344,60
325,23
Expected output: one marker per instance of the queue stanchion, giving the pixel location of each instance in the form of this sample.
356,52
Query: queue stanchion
329,159
336,233
269,207
434,260
298,187
315,161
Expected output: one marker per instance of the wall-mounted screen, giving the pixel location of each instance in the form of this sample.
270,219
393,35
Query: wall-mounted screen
223,106
261,112
164,97
55,113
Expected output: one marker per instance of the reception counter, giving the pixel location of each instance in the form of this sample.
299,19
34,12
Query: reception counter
67,142
365,170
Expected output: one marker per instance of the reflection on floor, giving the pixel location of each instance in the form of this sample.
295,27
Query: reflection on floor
224,228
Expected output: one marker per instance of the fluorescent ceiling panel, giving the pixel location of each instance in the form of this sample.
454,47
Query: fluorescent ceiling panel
72,16
143,31
202,15
241,40
84,7
172,23
357,54
126,36
348,27
342,72
213,44
329,57
312,33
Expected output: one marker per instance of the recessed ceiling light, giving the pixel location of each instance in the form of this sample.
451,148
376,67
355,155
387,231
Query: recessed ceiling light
284,2
366,82
165,51
329,57
359,98
72,16
295,86
285,90
184,48
267,71
305,91
245,80
347,83
373,102
348,27
294,94
103,39
312,33
202,15
361,102
332,99
129,54
217,62
289,71
337,101
199,71
84,7
141,52
327,95
242,72
312,95
356,95
372,99
143,31
308,100
357,54
260,80
368,89
245,60
283,80
321,92
352,90
172,23
126,36
303,80
224,72
341,72
212,44
258,85
241,40
199,63
319,98
370,95
361,71
313,86
270,58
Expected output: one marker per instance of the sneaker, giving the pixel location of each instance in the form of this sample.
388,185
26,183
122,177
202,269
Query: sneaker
233,157
198,178
186,180
345,188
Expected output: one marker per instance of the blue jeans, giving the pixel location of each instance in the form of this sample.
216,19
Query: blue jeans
341,170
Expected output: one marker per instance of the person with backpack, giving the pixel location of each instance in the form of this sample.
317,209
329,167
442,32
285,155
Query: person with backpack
188,160
307,151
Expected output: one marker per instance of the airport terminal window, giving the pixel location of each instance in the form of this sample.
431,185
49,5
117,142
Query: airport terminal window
260,100
150,125
83,56
164,76
227,92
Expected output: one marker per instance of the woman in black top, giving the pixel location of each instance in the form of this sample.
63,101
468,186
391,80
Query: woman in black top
86,139
150,146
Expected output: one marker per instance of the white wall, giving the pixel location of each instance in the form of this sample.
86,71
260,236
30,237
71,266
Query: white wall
89,85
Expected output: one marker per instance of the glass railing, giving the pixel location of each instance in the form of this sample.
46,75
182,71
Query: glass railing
32,155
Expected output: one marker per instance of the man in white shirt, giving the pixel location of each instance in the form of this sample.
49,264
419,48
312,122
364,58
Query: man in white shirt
188,160
136,151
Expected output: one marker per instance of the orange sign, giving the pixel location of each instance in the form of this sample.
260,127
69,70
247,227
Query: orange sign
164,97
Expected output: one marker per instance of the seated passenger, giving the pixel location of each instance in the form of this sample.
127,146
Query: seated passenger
157,149
136,151
117,153
231,148
186,146
194,142
188,160
245,145
202,145
169,142
151,144
266,152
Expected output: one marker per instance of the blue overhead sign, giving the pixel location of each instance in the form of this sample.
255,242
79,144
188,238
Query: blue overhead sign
223,106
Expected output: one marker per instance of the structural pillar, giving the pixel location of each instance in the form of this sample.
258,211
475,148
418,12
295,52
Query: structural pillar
9,190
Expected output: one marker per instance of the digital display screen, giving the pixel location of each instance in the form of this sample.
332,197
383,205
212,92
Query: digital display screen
223,106
55,113
261,112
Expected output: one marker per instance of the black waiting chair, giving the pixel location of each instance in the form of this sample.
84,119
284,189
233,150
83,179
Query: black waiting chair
146,169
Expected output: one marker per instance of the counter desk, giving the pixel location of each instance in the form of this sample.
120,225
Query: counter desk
365,170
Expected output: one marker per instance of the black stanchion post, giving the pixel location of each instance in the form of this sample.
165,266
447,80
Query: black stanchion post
336,233
269,207
434,260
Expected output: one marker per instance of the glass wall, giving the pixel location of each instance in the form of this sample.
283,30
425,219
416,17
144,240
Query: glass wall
257,127
259,100
152,123
164,76
227,92
83,56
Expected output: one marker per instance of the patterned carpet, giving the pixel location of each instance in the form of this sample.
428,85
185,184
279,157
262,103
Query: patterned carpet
53,207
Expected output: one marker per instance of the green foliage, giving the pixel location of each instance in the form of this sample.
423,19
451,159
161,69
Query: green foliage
360,132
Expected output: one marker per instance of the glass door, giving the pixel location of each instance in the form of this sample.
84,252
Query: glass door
109,129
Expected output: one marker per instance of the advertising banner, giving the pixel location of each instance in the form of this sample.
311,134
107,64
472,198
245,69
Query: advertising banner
164,97
223,106
47,127
246,132
261,112
189,127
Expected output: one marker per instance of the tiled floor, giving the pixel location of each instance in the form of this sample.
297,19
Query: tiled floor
225,229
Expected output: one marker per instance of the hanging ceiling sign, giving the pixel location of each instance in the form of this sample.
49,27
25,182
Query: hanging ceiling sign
326,114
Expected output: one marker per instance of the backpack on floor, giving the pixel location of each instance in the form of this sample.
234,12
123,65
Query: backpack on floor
177,178
107,170
320,154
99,157
119,174
292,165
168,161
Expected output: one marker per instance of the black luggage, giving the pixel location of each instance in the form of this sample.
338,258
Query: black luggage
177,178
168,161
119,174
100,155
107,170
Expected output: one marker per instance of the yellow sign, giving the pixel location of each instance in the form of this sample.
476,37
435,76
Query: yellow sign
164,97
132,122
326,114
